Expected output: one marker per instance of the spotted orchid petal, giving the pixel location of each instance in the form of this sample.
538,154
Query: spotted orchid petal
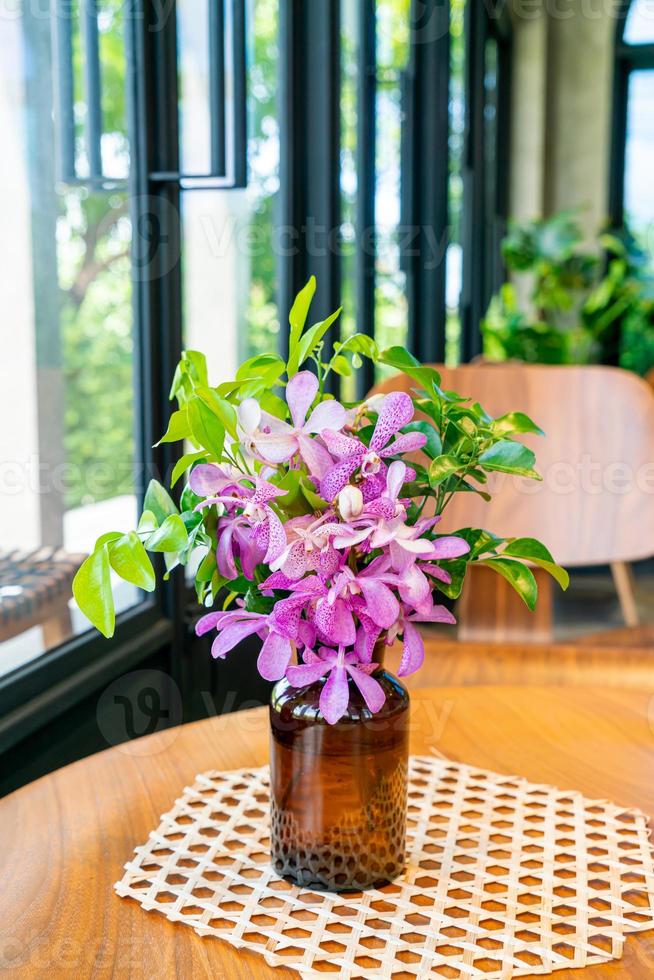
335,621
411,442
335,695
413,654
342,446
382,606
396,411
337,477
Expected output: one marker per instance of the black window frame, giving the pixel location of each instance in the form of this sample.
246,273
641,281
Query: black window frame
484,222
627,58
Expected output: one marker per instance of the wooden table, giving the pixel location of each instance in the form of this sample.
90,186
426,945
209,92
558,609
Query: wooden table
64,838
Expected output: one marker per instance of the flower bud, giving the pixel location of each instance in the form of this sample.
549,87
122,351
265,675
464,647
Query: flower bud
350,502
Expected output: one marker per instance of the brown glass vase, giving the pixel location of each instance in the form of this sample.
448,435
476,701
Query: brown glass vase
338,793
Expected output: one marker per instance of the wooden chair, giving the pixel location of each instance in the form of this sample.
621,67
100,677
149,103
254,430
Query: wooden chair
595,505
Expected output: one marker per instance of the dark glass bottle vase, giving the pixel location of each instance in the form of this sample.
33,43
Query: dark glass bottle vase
338,793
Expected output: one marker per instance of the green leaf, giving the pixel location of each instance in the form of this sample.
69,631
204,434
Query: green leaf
442,467
255,601
183,464
221,408
147,522
433,447
401,359
171,536
207,430
506,456
515,422
314,335
297,318
457,569
315,501
481,542
178,428
535,552
129,559
159,502
341,366
517,575
272,403
92,591
359,343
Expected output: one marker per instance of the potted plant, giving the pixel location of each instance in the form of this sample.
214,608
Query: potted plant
587,303
318,532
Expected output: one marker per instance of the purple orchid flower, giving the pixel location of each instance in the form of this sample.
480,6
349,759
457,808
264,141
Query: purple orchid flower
276,441
281,630
353,455
413,653
310,548
235,626
335,694
257,533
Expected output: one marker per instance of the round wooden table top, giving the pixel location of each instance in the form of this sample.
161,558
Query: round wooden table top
64,838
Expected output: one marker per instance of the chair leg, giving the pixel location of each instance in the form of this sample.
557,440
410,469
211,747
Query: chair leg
623,580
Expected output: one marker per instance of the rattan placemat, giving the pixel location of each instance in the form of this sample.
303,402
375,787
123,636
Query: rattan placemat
504,878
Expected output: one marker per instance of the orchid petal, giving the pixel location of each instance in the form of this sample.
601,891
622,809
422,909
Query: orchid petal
318,460
341,446
413,654
248,414
225,553
276,536
301,675
276,447
207,480
382,606
300,392
395,412
371,690
234,634
335,621
275,657
335,695
450,547
327,415
265,491
395,478
435,614
411,442
337,477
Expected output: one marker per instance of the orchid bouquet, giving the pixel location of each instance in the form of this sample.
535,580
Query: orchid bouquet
315,525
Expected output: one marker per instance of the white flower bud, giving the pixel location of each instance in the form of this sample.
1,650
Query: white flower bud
350,502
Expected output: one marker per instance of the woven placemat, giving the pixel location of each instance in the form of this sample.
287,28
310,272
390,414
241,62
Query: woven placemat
504,878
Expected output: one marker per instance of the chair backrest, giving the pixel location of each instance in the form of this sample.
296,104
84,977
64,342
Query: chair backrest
596,502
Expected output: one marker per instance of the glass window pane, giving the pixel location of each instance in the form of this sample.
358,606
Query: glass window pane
453,257
639,159
229,244
391,310
193,82
67,392
639,28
